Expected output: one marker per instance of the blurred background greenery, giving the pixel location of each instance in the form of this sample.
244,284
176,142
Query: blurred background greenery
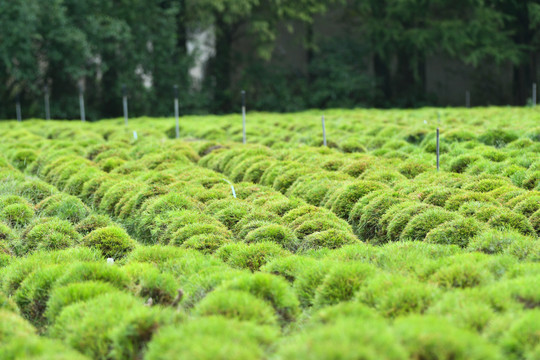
287,54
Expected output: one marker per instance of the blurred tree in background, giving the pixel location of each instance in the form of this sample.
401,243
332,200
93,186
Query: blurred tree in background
275,49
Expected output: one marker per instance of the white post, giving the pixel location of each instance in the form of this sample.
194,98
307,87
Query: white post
324,131
244,116
125,104
438,150
534,95
176,115
81,104
18,107
47,108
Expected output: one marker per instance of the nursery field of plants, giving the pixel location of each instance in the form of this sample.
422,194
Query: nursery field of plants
125,243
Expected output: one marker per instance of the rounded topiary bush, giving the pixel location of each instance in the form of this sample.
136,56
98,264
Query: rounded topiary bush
111,241
276,233
210,338
348,196
240,305
420,225
497,137
274,290
457,232
250,256
206,243
147,281
367,340
506,242
93,222
65,207
327,239
341,283
398,216
512,220
528,206
394,295
201,228
462,162
456,201
47,234
63,296
17,215
434,338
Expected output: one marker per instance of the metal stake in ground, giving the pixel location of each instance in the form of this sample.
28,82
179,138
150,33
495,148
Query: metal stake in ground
81,103
534,95
125,103
468,99
244,116
438,150
176,116
18,106
47,107
324,131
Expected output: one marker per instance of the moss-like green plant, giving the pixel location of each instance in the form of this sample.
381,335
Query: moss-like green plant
63,296
434,338
47,234
458,232
349,195
206,243
275,290
65,207
512,220
420,225
148,282
276,233
327,239
251,256
341,283
111,241
92,222
211,338
238,305
17,215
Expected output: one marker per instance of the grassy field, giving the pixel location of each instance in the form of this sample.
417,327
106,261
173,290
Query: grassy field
123,243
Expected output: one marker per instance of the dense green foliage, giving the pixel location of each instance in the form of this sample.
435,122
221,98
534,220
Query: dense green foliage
349,251
288,55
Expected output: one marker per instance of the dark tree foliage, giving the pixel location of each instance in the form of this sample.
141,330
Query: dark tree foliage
378,59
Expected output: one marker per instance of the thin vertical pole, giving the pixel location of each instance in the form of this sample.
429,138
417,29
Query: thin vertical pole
534,95
176,115
18,107
468,99
125,103
47,106
81,103
438,150
324,131
244,116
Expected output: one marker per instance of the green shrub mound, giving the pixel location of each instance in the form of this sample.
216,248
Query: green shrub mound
289,267
394,295
112,326
63,296
420,225
18,340
147,281
35,190
65,207
342,311
250,256
94,271
506,242
349,195
111,241
434,338
522,340
238,305
275,290
341,283
92,222
512,220
328,239
276,233
47,234
212,338
461,274
206,243
458,232
197,229
344,339
17,215
398,216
